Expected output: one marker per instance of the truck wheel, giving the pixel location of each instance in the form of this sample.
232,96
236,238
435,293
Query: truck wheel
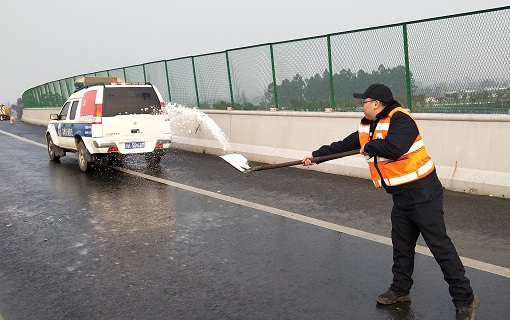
51,149
82,158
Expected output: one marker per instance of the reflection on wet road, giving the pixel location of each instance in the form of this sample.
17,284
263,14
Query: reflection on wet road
196,239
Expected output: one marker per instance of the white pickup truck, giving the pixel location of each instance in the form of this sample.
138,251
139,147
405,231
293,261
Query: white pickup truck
104,123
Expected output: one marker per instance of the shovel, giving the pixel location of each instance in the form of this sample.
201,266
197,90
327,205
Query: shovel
244,165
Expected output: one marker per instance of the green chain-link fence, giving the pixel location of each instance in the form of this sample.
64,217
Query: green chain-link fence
454,64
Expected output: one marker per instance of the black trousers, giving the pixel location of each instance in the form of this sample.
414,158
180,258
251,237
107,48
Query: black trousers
420,210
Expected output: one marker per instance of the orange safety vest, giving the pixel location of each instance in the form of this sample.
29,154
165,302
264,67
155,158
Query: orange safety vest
411,166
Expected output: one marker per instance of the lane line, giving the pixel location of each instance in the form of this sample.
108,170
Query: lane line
479,265
23,139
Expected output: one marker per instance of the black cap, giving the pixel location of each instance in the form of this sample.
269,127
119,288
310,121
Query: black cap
376,91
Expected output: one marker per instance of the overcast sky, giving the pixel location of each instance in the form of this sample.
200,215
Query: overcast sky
43,41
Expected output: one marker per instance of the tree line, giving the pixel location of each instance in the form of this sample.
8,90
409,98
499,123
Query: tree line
17,108
313,94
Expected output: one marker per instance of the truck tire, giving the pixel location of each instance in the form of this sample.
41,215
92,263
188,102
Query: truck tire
83,154
51,149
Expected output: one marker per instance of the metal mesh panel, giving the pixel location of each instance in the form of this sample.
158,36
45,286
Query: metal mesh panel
251,76
39,96
44,96
63,89
298,66
70,85
461,64
212,81
362,58
53,98
36,100
119,73
456,64
59,98
156,74
27,97
31,98
134,74
181,81
102,74
56,98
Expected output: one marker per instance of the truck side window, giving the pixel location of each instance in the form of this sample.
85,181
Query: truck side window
74,106
63,113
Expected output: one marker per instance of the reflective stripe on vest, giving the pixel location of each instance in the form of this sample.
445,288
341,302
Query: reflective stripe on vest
416,145
411,166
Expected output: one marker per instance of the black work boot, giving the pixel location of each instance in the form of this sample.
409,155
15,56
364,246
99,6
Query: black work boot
467,312
390,297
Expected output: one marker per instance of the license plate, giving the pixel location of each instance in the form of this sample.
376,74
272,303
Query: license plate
135,145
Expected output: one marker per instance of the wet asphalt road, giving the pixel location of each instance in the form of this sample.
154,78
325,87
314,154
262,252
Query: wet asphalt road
113,245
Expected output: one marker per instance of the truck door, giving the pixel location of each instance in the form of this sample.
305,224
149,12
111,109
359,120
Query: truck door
67,128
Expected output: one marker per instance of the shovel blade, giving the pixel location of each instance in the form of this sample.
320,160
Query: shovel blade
238,161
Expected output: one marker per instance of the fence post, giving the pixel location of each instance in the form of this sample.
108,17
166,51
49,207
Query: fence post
43,95
39,94
125,77
229,80
54,94
331,87
144,75
51,88
408,74
55,101
274,76
195,77
168,82
62,92
67,87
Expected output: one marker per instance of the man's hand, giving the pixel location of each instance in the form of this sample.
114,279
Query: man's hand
362,150
307,161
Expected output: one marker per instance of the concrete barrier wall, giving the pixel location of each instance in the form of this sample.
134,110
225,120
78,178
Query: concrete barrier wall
40,116
470,151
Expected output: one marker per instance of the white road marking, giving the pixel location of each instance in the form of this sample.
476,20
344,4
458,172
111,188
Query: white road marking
502,271
480,265
23,139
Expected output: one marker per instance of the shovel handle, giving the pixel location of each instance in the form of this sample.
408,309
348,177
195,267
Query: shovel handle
315,159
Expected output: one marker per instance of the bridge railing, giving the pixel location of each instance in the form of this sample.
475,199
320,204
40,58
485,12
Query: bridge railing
452,64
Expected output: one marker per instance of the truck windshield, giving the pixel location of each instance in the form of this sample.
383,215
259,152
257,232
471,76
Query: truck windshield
130,100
